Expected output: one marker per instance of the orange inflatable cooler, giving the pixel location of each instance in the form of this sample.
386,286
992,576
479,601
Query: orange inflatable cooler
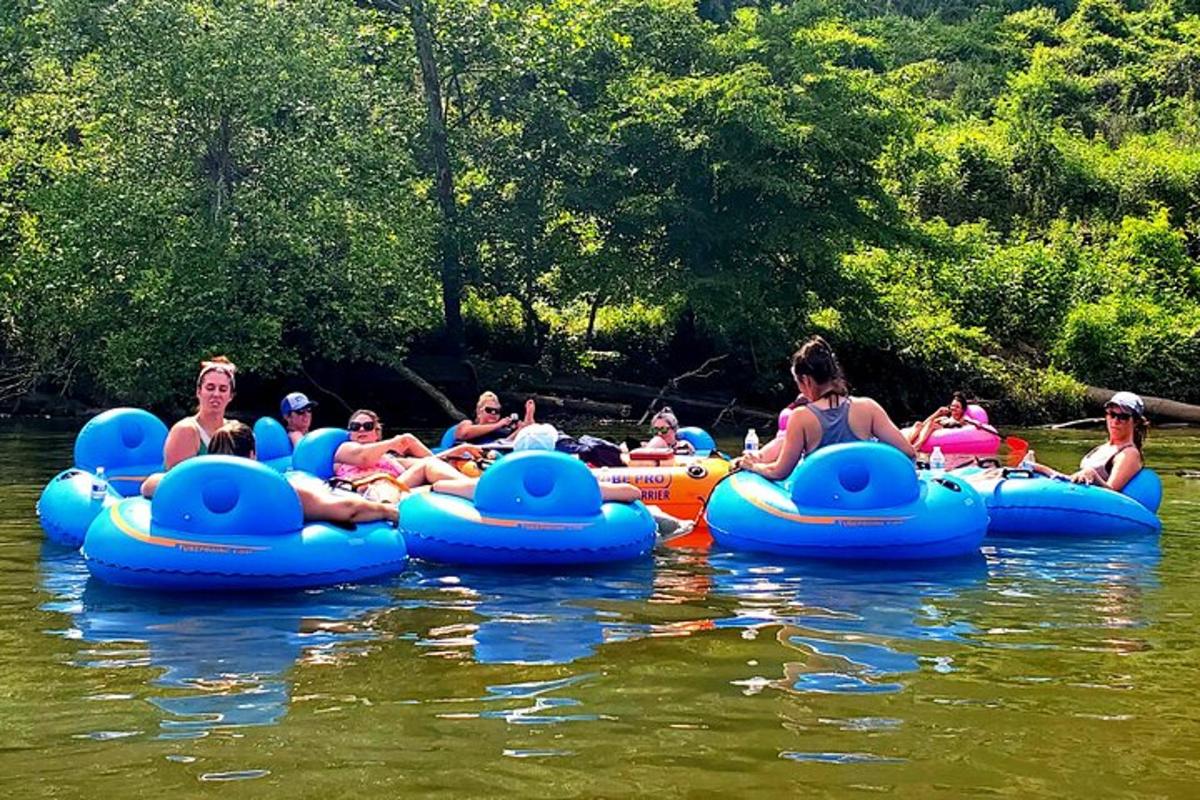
679,485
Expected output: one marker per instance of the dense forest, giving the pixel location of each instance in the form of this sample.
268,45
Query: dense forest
999,196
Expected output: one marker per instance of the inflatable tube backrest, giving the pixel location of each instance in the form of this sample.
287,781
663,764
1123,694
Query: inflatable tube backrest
700,439
538,483
448,438
127,442
976,413
1146,488
225,496
272,445
860,475
314,453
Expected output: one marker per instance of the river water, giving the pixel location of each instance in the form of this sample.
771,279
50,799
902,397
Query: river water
1040,669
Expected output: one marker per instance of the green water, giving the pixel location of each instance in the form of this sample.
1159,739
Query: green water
1044,669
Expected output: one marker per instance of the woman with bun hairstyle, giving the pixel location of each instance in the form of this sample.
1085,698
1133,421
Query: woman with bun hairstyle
215,386
830,415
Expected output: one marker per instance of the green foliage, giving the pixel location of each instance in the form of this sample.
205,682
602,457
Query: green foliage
1001,197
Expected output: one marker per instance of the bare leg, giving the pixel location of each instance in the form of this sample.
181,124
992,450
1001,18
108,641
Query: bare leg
428,470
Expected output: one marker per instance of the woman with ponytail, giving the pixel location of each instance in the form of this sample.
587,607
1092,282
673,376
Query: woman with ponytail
830,415
190,436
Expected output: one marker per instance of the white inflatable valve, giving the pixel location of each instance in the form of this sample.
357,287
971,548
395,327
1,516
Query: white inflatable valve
937,462
1028,461
99,485
751,443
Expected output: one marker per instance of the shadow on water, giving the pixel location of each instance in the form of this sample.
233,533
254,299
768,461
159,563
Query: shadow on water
223,660
529,617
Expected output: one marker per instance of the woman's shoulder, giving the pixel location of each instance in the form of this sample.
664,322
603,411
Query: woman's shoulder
189,424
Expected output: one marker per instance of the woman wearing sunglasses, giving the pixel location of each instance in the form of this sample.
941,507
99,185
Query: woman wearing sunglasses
664,429
491,424
1116,462
385,468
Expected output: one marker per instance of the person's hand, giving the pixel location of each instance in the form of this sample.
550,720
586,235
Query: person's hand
941,412
751,457
1087,475
464,451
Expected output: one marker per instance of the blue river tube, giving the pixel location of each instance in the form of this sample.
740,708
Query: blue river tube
533,508
272,445
860,501
128,443
221,522
1021,503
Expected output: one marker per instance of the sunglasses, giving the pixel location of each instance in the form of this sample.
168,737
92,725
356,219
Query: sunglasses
355,427
305,411
660,429
1120,416
490,410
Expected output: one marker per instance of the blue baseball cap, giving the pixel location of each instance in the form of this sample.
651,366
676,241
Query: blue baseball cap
296,401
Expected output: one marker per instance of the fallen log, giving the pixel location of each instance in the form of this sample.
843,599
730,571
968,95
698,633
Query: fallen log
580,406
428,388
1155,406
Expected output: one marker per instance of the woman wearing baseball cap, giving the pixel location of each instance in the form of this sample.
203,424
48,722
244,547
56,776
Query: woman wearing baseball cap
1116,462
296,410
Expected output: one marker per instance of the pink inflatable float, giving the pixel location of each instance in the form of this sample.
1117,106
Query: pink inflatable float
967,439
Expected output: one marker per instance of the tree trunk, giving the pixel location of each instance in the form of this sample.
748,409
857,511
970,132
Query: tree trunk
452,280
1155,406
593,308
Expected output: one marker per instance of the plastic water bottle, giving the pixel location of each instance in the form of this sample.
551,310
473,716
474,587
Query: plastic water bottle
751,443
1029,461
99,485
937,462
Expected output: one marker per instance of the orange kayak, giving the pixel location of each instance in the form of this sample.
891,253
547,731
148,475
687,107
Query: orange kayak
679,486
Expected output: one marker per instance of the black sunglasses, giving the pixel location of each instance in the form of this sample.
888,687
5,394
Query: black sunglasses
490,410
660,429
1120,416
354,427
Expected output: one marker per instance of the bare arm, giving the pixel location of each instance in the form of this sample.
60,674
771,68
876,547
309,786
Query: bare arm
883,429
150,485
468,431
364,455
182,443
794,445
319,504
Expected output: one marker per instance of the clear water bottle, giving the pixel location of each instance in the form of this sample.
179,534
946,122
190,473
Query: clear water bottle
751,443
1029,461
937,462
99,485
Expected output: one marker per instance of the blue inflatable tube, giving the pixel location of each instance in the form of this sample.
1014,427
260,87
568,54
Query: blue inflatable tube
860,501
1021,503
534,508
221,522
272,445
128,443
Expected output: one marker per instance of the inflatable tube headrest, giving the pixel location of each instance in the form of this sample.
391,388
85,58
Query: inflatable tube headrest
271,440
699,438
860,475
1146,488
538,483
448,438
125,441
314,453
976,413
225,496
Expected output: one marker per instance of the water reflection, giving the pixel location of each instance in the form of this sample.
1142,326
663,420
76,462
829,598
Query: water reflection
224,659
531,617
848,629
